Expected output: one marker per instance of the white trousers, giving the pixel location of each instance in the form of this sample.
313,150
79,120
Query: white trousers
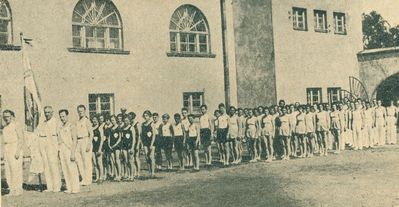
368,136
69,170
49,152
84,161
357,136
391,130
13,168
380,134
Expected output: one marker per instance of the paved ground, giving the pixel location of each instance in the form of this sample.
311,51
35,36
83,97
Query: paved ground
352,178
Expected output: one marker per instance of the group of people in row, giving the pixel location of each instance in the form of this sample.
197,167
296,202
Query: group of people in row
112,145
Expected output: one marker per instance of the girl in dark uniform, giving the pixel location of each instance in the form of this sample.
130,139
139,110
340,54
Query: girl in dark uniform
135,150
126,145
97,149
108,162
148,139
115,148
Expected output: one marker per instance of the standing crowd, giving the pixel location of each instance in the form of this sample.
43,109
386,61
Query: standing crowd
112,145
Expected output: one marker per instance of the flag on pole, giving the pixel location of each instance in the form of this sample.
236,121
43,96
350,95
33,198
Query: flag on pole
33,110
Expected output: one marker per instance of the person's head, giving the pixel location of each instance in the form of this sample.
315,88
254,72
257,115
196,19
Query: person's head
245,112
292,108
119,119
101,119
297,104
288,110
108,120
147,115
123,110
204,109
300,109
281,103
155,117
283,111
250,113
81,111
132,116
272,111
391,103
184,112
379,103
334,107
368,105
113,120
8,116
165,118
63,113
256,112
191,118
126,120
48,112
320,107
94,120
357,105
307,109
240,112
177,118
222,108
232,110
313,109
260,109
266,111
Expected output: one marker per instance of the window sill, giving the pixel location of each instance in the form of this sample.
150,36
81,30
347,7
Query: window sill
101,51
300,29
321,31
10,47
340,33
199,55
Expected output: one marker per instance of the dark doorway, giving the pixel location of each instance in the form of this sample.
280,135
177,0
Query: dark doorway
388,89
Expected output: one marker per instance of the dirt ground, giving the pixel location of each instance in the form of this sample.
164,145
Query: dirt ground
352,178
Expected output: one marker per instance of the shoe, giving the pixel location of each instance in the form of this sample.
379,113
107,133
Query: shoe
68,192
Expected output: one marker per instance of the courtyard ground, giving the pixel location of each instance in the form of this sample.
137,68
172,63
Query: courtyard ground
352,178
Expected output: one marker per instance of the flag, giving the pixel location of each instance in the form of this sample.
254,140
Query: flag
33,111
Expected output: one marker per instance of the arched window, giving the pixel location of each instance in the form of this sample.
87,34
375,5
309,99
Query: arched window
189,31
96,24
5,23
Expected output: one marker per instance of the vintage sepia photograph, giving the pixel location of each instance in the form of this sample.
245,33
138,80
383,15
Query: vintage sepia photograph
191,103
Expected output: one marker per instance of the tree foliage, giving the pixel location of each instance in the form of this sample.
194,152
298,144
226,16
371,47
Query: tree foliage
378,33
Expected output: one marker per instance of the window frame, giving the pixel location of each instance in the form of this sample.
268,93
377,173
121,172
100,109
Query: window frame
176,34
330,94
83,27
336,15
317,18
310,95
295,16
98,103
190,107
10,29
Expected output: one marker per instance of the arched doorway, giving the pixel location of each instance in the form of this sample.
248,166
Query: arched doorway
389,89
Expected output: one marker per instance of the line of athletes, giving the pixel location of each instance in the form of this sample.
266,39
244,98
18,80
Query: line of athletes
280,131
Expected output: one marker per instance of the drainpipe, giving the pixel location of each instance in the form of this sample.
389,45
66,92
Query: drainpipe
225,55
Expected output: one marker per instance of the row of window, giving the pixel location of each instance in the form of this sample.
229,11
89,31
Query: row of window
314,95
104,103
299,19
97,24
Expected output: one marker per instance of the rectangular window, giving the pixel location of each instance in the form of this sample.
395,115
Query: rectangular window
173,41
299,19
334,95
101,103
76,37
193,101
203,43
320,21
340,23
4,32
314,95
114,38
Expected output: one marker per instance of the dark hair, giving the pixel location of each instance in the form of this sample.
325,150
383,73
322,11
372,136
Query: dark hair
165,116
9,112
132,115
204,106
81,106
184,109
232,107
239,109
63,111
221,105
177,116
155,114
148,112
281,101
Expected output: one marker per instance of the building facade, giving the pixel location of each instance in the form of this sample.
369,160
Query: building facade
107,54
296,50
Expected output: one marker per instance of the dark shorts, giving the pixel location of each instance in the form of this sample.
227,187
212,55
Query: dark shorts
205,135
179,146
126,144
192,144
96,147
221,136
167,143
159,142
146,141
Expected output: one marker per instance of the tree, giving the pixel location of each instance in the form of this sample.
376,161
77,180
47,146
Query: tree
377,32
